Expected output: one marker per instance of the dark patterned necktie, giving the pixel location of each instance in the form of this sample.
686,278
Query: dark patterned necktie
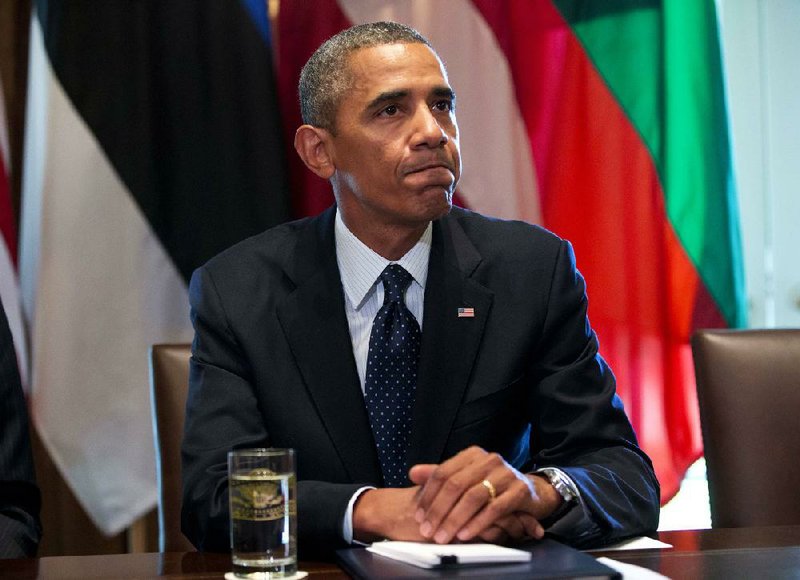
391,376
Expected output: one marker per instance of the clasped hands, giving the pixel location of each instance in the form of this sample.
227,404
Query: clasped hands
450,503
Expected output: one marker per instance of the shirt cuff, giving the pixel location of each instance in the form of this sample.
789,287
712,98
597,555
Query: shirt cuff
347,524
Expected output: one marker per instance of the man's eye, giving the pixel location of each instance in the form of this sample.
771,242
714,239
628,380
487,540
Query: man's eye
443,105
390,111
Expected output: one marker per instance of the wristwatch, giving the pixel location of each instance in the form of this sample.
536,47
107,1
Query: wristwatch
565,489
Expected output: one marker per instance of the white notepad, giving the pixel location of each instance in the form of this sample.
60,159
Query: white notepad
435,555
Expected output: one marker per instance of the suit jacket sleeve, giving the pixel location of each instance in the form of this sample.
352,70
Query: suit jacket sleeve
19,496
580,425
223,414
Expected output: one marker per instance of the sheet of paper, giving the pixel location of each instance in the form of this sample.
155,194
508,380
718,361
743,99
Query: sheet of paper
631,571
642,543
429,555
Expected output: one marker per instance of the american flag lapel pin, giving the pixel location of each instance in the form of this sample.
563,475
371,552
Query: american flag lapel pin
466,312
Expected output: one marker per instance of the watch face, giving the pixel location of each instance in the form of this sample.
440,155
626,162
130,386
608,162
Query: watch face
567,494
561,486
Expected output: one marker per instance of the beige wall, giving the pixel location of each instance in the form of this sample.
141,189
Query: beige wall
761,47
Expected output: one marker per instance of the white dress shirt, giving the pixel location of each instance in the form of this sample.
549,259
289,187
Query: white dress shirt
359,268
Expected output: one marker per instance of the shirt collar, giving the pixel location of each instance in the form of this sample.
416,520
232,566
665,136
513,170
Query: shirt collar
360,267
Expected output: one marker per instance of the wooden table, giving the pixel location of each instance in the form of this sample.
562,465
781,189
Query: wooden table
724,553
746,553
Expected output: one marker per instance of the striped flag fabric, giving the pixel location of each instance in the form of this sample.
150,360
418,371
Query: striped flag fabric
9,280
152,143
606,122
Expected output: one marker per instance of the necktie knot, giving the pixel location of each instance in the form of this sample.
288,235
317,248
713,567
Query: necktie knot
395,282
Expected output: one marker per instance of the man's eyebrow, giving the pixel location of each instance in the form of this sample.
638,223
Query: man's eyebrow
387,96
445,92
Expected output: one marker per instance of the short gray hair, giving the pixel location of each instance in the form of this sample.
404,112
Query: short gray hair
325,77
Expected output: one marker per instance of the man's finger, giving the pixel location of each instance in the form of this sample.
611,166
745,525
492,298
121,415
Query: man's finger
448,485
489,499
471,502
515,497
511,524
444,471
421,473
494,535
532,526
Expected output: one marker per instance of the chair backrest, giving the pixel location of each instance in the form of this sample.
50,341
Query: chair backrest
748,386
169,385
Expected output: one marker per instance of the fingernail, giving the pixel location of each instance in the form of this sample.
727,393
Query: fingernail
425,529
539,532
420,515
463,534
441,537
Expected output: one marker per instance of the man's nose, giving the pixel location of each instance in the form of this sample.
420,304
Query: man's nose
428,129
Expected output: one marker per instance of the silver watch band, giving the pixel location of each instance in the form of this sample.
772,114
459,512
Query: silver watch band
565,488
562,485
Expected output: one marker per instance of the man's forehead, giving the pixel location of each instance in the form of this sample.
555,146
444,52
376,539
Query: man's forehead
383,61
388,68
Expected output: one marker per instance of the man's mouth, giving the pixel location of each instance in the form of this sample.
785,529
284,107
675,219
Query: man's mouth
429,166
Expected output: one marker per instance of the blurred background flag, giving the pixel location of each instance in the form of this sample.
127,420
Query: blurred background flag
152,143
9,282
606,122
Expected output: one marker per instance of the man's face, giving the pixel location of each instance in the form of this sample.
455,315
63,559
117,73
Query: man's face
395,148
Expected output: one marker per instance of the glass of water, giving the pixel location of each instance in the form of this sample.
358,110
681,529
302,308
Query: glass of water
263,509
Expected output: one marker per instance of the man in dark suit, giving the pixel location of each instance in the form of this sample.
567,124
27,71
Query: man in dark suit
503,421
20,529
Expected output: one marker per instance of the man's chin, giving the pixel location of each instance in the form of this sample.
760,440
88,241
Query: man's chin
439,201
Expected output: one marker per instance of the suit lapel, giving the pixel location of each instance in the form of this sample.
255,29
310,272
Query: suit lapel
315,325
449,343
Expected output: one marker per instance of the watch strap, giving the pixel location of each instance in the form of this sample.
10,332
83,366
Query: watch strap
565,488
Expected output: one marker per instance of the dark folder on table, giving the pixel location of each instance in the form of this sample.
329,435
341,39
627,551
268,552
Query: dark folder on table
549,559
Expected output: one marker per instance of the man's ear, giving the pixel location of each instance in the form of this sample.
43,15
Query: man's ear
311,144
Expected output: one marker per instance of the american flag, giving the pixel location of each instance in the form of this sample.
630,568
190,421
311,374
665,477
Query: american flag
466,313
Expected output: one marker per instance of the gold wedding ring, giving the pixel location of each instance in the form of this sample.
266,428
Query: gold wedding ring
490,488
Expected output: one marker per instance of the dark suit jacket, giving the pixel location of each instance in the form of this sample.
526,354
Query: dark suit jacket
273,366
19,497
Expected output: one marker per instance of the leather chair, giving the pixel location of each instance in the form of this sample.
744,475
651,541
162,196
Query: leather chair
169,385
748,387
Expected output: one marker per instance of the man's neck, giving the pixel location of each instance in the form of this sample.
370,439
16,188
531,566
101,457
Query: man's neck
390,241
